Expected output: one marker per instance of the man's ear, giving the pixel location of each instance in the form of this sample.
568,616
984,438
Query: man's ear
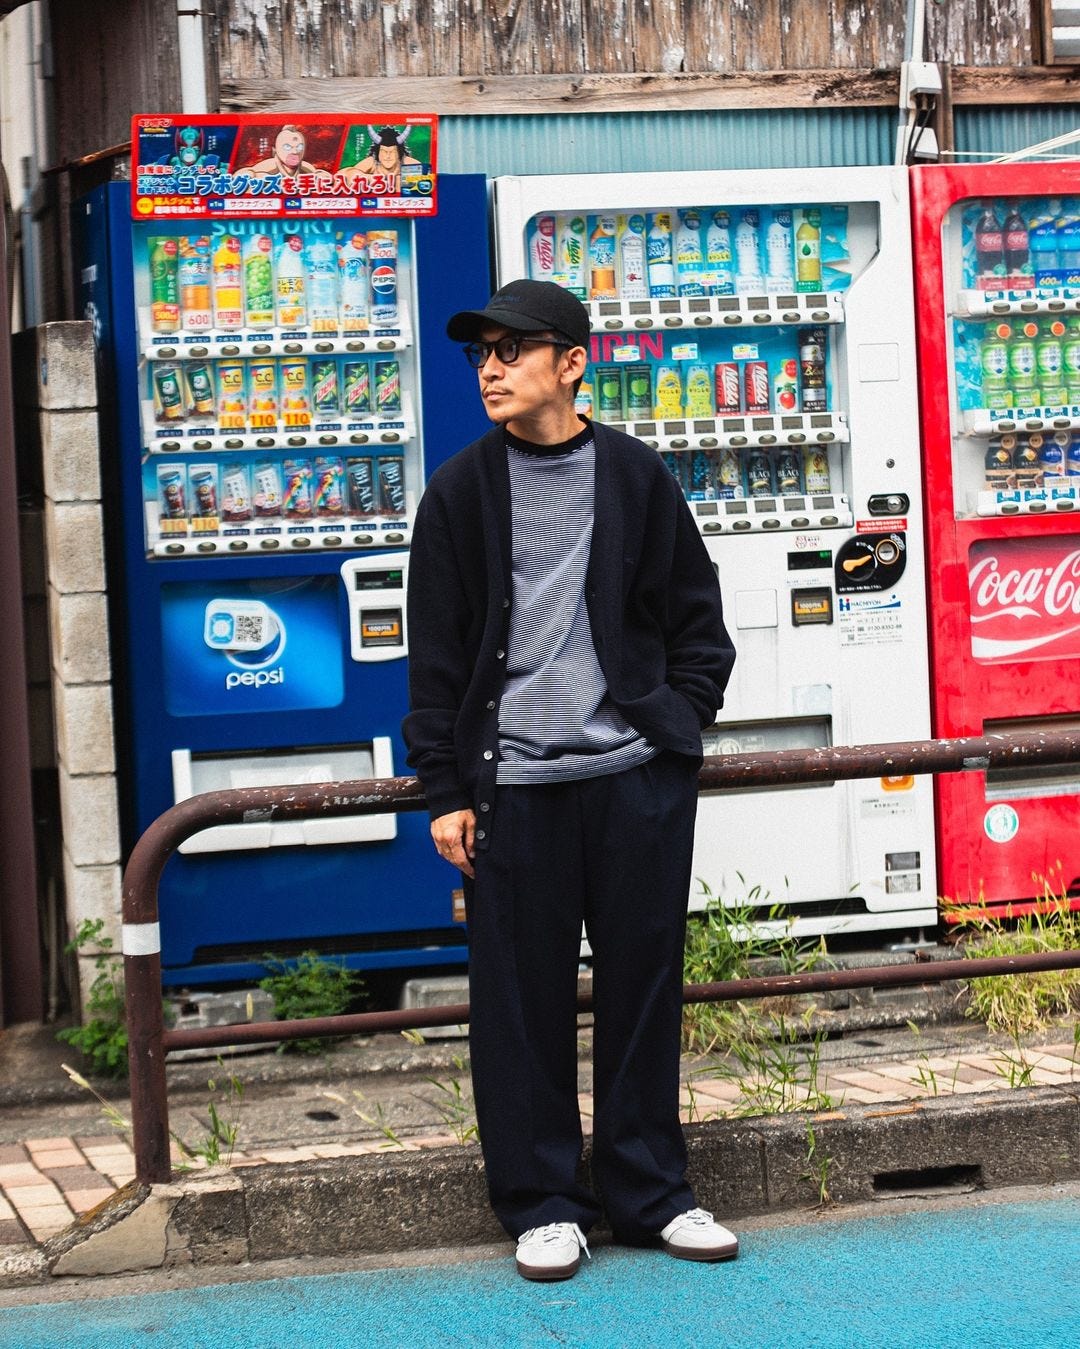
574,362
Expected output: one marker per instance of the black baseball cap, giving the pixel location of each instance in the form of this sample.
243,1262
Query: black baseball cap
526,307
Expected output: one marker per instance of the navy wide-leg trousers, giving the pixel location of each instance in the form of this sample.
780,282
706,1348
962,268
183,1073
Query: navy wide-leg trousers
613,853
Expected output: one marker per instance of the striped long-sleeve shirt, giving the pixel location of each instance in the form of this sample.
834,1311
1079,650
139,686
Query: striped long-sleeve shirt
556,720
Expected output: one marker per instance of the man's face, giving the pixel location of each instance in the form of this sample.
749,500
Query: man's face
388,156
527,386
289,148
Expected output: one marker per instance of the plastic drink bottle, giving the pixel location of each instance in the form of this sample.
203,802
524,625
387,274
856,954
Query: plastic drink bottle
1049,362
353,264
1043,245
689,256
602,259
164,290
542,249
322,284
193,274
1070,359
570,255
660,257
383,261
1014,232
1068,241
718,276
808,249
258,281
994,363
998,464
748,248
290,284
816,475
989,248
630,249
779,260
1022,366
226,274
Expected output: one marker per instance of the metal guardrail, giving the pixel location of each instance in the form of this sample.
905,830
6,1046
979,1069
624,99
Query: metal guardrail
149,1041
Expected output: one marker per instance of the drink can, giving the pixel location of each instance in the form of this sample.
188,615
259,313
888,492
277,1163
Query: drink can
295,396
609,393
200,388
387,386
812,344
788,472
728,398
235,494
668,391
204,493
816,470
1055,451
267,497
699,396
756,386
1028,461
296,501
324,393
171,496
701,480
361,479
785,386
169,393
638,402
999,464
759,478
232,395
356,378
392,485
262,393
383,256
329,495
727,476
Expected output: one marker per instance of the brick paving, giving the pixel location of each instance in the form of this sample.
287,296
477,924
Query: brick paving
45,1183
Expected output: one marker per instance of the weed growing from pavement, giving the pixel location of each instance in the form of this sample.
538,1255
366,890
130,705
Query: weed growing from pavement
306,987
778,1070
721,941
374,1117
817,1168
102,1038
1017,1068
455,1108
217,1145
1021,1003
926,1077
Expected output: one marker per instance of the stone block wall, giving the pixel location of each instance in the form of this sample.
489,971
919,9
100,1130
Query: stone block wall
67,616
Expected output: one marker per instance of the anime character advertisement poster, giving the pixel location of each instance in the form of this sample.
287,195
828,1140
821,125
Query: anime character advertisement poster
292,164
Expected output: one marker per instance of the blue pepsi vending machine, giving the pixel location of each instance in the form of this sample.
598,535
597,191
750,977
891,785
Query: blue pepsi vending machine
270,303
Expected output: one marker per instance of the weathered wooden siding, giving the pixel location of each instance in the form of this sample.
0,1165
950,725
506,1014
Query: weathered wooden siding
291,39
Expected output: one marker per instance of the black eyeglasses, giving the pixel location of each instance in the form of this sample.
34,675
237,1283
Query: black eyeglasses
507,349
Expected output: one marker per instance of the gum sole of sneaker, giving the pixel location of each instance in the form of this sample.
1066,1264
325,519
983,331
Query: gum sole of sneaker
705,1254
540,1275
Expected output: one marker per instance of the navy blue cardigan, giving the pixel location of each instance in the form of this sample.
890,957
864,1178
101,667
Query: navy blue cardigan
650,589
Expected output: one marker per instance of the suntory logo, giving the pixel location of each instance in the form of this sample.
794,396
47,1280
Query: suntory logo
1025,598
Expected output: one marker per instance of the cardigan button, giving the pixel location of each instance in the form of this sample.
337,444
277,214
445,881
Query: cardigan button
506,604
491,705
499,654
481,834
488,754
485,806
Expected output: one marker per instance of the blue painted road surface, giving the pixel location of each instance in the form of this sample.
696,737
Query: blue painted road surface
996,1275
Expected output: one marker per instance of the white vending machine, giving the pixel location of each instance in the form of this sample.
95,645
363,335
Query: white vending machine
757,329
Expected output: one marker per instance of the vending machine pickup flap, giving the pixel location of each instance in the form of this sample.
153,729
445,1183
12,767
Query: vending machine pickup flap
196,773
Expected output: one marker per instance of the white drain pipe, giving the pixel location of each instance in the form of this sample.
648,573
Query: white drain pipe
189,25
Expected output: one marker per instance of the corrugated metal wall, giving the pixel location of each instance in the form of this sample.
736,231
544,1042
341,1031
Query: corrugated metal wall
984,132
642,142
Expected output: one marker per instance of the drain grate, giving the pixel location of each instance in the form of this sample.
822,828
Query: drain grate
927,1180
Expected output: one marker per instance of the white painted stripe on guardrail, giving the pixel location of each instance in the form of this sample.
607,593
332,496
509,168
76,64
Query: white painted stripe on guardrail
140,939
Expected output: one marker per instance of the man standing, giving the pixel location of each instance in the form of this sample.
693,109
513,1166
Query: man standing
567,646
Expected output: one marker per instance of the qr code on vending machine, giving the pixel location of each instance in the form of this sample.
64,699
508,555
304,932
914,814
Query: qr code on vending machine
250,629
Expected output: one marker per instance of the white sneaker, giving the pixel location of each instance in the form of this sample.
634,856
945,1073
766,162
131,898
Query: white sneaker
551,1252
694,1236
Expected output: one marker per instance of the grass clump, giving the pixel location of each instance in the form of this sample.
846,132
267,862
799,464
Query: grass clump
310,986
102,1038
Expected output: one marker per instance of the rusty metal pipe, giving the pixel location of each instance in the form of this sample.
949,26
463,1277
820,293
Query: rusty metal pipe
728,990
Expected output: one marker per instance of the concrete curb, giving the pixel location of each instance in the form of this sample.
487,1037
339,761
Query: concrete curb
401,1201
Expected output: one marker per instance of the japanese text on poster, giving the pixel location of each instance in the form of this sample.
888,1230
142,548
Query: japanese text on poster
256,166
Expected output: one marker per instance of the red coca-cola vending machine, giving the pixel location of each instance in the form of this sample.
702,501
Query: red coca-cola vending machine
997,268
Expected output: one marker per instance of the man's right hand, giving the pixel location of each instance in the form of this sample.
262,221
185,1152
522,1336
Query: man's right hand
453,835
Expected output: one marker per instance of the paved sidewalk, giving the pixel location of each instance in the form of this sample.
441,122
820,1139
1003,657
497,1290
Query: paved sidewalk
48,1181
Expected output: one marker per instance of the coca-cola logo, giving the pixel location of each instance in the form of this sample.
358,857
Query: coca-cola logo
1025,598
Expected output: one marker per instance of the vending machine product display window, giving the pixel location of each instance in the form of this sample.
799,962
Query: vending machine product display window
756,330
998,274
